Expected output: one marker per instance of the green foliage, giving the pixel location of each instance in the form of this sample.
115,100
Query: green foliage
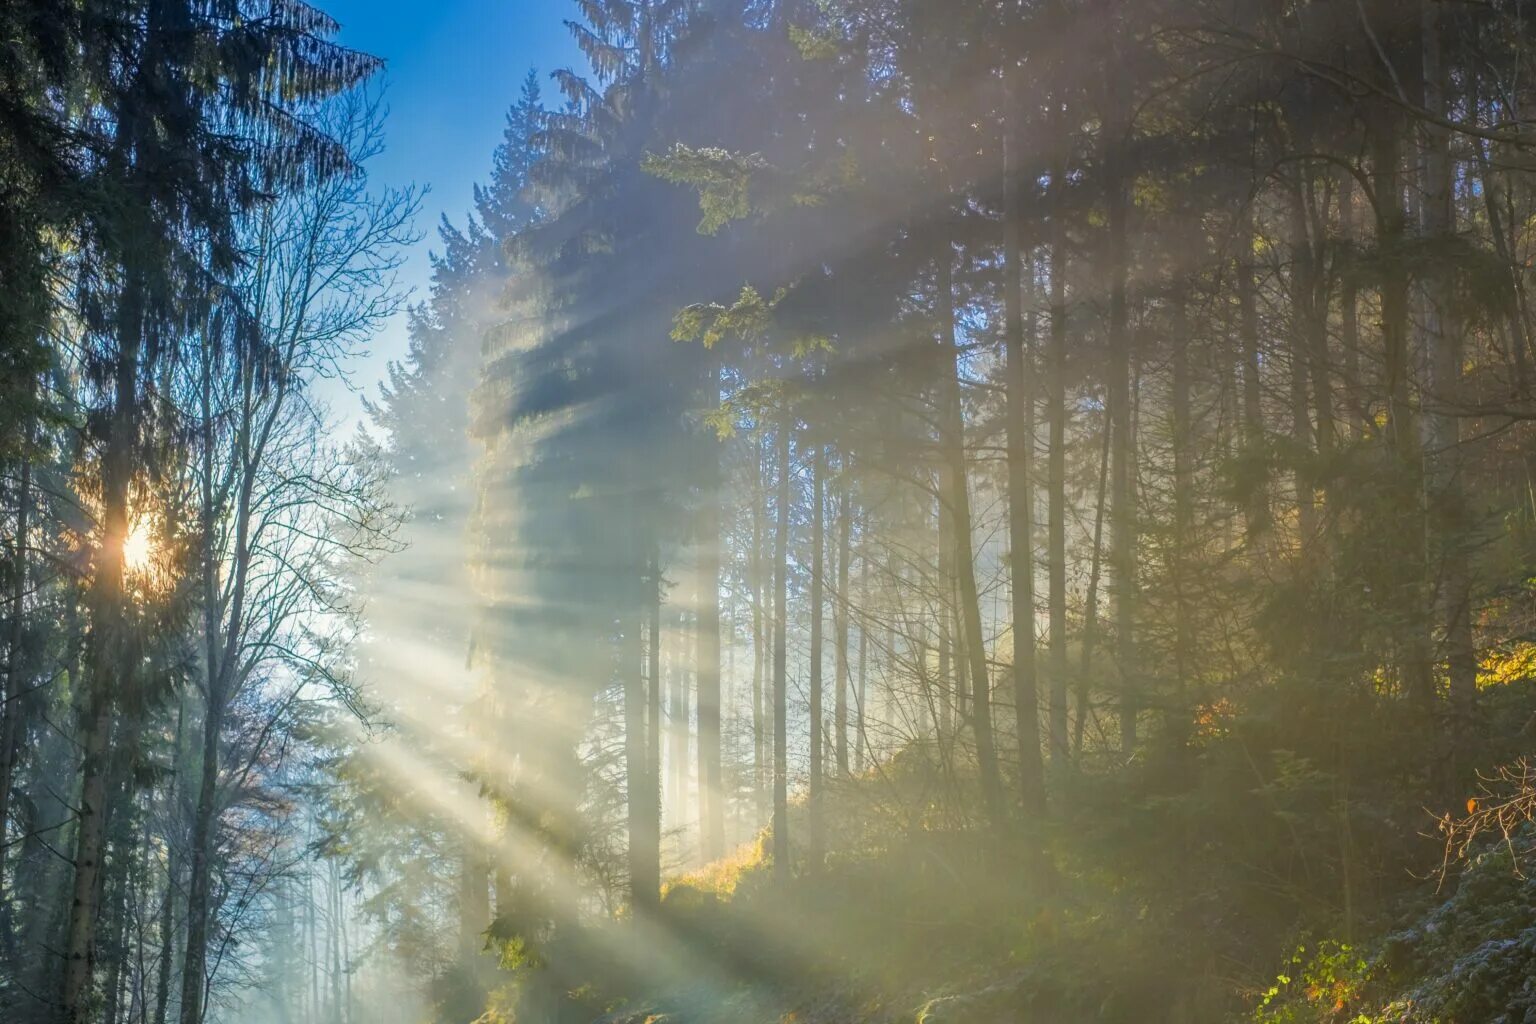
1326,983
724,181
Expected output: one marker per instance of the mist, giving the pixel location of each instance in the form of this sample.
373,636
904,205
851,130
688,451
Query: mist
887,511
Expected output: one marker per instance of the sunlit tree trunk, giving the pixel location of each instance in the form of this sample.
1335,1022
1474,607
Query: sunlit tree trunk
711,783
640,704
651,792
1183,518
1091,602
759,636
1122,512
818,559
781,867
840,609
861,753
957,493
106,668
1021,505
1056,471
946,632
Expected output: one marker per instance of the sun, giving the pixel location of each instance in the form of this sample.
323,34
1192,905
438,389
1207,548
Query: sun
138,547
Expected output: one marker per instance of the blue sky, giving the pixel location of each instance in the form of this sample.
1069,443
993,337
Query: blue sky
453,67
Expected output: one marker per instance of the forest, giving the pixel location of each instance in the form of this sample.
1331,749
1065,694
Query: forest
893,512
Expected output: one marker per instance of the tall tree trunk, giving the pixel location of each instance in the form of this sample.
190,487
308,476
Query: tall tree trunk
1091,602
946,630
115,923
780,655
15,673
759,637
1021,504
172,869
1301,417
818,558
204,818
1349,316
677,726
642,782
1402,431
107,667
1445,359
861,752
1183,520
840,610
1056,473
957,492
164,963
711,784
333,935
1122,514
1256,510
652,792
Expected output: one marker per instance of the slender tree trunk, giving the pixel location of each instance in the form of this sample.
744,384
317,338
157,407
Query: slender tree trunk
1257,508
1021,509
334,936
15,672
1301,417
818,558
780,656
946,631
759,637
1503,246
1056,474
1349,316
957,491
106,667
711,785
194,966
115,921
642,794
861,752
164,963
1445,357
677,727
1122,515
1183,521
172,867
655,683
840,625
1091,604
1402,427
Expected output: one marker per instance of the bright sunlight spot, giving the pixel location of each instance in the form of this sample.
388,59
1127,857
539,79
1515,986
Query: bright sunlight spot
138,547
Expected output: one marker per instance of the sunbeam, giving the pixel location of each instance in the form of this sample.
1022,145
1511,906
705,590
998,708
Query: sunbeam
861,512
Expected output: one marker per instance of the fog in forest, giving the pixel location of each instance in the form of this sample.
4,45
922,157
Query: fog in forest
872,511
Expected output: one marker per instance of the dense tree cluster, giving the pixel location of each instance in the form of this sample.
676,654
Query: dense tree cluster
189,246
1083,441
1029,500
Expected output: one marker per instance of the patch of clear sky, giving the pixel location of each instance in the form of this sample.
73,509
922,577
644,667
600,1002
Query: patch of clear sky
452,69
